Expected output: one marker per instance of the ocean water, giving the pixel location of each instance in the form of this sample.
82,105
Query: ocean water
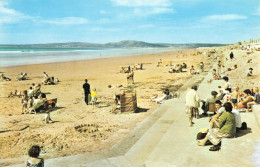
25,56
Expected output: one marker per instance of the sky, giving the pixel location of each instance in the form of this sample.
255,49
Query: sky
103,21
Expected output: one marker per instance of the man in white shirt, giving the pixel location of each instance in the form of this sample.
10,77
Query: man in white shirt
237,119
192,103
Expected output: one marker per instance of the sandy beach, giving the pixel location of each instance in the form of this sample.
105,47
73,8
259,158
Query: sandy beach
103,129
19,132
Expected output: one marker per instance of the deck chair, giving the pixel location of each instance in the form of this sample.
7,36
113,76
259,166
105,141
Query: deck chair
211,108
43,106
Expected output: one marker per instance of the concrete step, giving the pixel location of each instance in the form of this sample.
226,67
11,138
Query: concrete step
144,146
178,147
244,144
98,163
256,112
147,148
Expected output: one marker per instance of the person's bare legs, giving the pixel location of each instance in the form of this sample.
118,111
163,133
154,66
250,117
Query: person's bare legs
249,104
202,142
190,121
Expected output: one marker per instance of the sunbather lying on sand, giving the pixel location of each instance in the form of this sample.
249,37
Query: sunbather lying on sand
166,96
21,76
3,77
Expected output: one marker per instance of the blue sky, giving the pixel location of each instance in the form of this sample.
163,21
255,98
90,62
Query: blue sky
102,21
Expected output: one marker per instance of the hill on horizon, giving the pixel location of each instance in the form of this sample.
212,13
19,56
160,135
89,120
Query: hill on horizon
120,44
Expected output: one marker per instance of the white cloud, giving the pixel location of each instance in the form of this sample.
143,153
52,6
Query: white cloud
67,21
9,16
227,17
152,11
142,3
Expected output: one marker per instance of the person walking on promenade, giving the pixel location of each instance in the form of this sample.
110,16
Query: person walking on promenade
86,88
192,104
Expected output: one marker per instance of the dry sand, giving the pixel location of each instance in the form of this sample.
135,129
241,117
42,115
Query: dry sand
100,128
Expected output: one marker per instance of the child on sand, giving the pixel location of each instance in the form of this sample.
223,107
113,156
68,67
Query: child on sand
250,72
192,70
48,117
25,101
235,96
93,97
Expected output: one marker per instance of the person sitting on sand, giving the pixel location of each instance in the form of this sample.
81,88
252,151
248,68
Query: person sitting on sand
171,70
25,100
19,77
214,74
18,93
235,95
227,128
201,66
192,70
37,90
30,92
46,78
250,72
246,99
93,97
116,103
249,61
227,84
166,96
235,67
184,65
57,80
256,98
34,160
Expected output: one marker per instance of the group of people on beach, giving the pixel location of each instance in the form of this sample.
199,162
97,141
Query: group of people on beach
226,105
177,68
49,80
33,100
200,70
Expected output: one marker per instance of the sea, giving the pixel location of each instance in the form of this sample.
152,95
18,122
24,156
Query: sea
15,56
